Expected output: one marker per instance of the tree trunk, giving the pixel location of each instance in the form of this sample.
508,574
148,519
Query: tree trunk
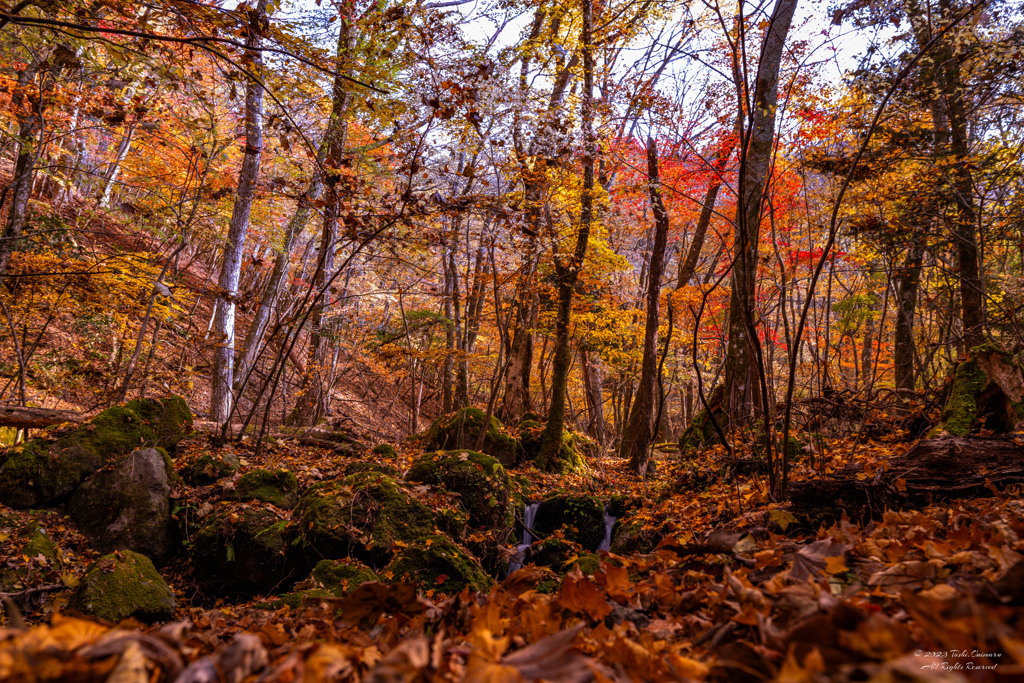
591,368
568,273
638,435
28,111
231,267
313,401
962,185
908,277
110,177
741,373
275,285
516,401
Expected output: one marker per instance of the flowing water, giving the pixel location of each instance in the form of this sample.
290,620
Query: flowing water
609,524
529,518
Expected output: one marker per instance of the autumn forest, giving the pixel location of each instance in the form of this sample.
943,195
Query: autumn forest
511,340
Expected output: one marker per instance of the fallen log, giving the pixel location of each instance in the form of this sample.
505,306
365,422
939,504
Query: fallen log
933,470
21,417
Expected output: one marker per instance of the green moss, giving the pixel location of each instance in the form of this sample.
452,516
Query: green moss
278,487
551,552
581,519
529,435
385,450
42,471
209,468
548,586
701,431
360,466
569,458
462,429
169,418
480,480
630,537
246,550
361,516
294,600
588,563
341,576
437,563
121,585
452,520
39,543
962,408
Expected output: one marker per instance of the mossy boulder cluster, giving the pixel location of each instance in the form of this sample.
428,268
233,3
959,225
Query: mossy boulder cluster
47,469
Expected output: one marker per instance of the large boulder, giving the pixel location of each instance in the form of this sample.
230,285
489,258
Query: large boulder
278,487
128,506
122,585
579,517
363,516
461,429
245,548
480,480
436,563
48,468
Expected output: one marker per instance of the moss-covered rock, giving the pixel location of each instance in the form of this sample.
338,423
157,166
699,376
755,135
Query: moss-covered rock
551,552
385,450
341,576
210,468
581,519
529,436
245,549
460,430
169,418
362,466
122,585
46,469
362,516
480,480
278,487
620,505
987,392
128,506
437,563
631,536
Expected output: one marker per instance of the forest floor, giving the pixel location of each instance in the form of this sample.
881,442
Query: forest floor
737,589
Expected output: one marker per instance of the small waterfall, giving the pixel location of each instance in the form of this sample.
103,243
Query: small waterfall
609,524
526,540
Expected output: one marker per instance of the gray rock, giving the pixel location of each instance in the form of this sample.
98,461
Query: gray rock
128,506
